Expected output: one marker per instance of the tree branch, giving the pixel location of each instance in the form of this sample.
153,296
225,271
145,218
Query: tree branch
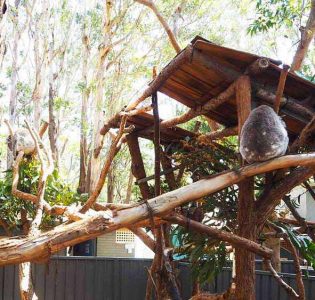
273,272
221,235
168,30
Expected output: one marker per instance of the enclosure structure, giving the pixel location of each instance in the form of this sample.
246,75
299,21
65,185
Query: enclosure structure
223,85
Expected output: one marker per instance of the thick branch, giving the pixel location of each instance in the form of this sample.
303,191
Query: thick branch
270,198
221,235
27,249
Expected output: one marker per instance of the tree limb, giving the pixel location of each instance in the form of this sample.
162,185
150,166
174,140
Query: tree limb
168,30
278,278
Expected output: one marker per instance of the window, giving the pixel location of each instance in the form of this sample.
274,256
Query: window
124,236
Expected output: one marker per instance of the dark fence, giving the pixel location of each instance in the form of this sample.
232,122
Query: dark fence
93,278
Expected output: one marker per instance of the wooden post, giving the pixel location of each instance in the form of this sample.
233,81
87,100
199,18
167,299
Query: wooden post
280,89
169,176
245,260
137,166
157,146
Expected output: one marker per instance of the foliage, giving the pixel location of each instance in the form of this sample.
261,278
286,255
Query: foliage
207,256
56,193
302,243
276,13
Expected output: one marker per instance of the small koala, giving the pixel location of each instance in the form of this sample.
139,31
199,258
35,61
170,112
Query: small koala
263,135
23,141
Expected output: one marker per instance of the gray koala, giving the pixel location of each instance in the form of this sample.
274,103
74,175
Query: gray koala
23,141
263,135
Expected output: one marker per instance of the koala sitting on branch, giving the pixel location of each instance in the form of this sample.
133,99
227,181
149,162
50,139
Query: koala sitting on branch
263,135
21,139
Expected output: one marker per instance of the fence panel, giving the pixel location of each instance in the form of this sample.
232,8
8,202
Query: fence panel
95,278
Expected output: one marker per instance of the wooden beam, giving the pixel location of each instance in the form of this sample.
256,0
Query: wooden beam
244,260
157,146
180,59
266,93
137,166
280,88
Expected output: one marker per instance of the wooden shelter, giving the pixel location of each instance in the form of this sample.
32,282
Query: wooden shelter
203,70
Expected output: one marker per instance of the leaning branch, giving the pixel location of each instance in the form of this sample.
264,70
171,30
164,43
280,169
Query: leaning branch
17,250
113,150
278,278
168,30
221,235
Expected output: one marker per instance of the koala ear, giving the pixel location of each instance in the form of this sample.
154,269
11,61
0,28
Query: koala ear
263,135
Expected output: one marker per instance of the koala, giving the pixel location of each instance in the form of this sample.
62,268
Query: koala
263,135
23,141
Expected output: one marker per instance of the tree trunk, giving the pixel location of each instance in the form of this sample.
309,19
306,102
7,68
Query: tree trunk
26,282
129,187
245,260
275,246
52,127
13,93
110,185
83,184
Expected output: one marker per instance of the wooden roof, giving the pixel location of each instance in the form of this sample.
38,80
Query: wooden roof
210,70
144,128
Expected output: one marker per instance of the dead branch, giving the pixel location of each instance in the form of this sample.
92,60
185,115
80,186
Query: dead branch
233,239
278,278
168,30
288,103
46,170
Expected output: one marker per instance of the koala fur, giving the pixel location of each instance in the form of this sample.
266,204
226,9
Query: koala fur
263,135
23,141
